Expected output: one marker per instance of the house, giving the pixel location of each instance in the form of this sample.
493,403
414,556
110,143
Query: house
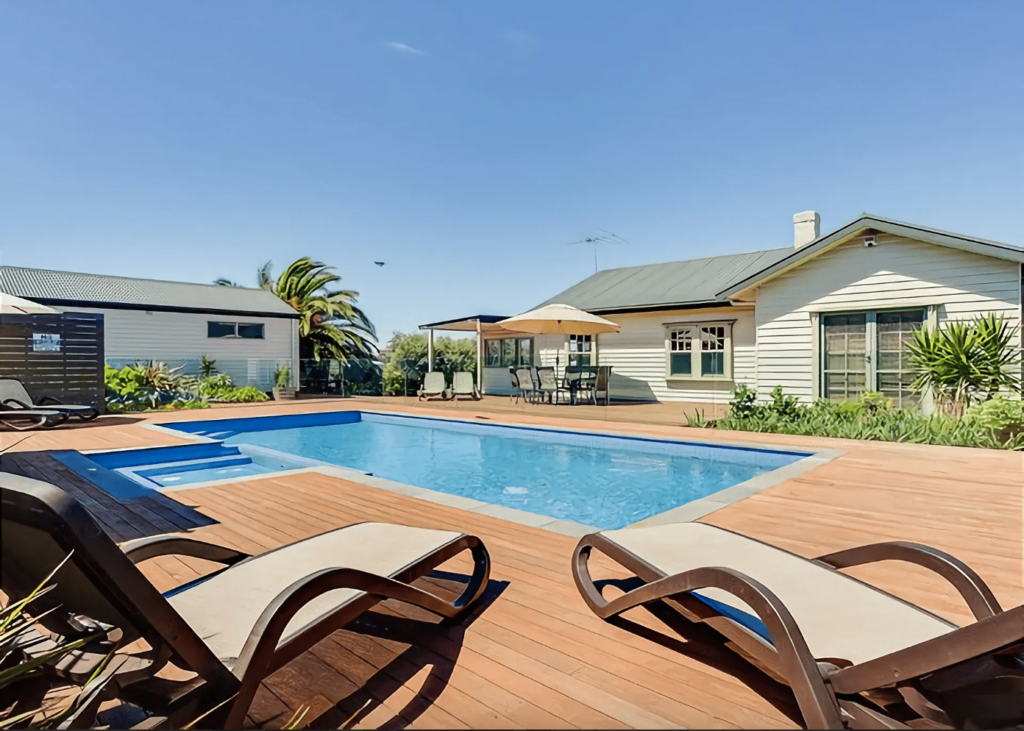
249,332
824,318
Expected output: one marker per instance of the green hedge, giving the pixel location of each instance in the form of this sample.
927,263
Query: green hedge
997,423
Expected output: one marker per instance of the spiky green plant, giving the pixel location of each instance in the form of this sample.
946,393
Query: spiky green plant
16,622
965,361
330,323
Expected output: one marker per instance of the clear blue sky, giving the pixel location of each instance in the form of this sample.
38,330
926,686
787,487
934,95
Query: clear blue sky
465,143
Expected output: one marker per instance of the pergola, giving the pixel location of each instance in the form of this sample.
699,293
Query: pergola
479,324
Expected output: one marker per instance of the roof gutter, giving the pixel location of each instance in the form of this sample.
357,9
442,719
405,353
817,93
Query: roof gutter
160,308
659,307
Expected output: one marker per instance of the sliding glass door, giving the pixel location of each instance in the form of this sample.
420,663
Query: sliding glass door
846,356
893,372
867,351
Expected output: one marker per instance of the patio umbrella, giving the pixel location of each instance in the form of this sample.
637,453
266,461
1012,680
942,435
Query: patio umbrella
559,320
11,305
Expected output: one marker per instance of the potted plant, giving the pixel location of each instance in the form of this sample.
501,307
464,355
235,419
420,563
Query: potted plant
282,381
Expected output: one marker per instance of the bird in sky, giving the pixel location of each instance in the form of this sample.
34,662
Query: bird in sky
379,263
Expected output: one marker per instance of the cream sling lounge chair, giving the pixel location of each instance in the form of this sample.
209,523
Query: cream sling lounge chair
854,655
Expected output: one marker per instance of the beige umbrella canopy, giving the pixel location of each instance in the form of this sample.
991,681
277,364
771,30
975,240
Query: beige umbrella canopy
11,305
559,320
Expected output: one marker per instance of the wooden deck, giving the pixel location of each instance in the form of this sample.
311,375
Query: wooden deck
123,520
533,656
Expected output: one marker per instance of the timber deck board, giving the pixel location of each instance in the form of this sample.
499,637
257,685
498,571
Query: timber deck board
532,655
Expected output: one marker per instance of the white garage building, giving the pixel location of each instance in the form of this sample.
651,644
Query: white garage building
249,332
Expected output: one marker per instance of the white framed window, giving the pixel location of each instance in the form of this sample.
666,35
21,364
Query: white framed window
580,349
699,351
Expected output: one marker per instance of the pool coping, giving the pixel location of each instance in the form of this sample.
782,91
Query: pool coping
691,511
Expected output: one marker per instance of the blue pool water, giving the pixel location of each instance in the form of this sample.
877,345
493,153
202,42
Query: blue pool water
603,481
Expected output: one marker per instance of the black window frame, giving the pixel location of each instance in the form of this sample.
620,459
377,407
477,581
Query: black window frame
237,329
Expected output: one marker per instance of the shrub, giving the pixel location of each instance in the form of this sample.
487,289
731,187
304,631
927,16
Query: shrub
1004,417
407,362
744,402
207,368
965,362
146,385
282,377
216,386
873,418
245,394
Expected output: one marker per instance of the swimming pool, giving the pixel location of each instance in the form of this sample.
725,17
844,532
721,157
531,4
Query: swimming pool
594,479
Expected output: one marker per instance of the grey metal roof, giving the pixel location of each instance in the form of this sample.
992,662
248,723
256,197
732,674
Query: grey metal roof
97,290
875,223
682,283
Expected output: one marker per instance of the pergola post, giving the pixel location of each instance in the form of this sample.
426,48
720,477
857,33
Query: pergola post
479,357
430,350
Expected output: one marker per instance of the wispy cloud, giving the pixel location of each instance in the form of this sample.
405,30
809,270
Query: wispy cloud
520,42
403,48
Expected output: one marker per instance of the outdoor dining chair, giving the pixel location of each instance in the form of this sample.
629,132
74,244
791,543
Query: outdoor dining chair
548,386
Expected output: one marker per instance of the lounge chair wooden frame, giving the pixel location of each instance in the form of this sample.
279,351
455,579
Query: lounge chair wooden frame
932,678
110,569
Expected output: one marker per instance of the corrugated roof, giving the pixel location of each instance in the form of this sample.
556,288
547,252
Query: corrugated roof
53,287
683,283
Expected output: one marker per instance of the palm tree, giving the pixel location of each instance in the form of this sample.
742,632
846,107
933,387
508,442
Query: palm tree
330,324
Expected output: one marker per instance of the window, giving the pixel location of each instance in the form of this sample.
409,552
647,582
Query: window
700,351
580,349
508,352
680,353
712,350
247,330
526,351
251,331
866,351
493,359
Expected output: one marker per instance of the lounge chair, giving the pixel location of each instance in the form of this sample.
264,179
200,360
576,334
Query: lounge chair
13,395
231,628
433,386
463,385
854,655
36,418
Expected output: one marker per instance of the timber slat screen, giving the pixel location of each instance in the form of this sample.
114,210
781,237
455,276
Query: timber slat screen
58,355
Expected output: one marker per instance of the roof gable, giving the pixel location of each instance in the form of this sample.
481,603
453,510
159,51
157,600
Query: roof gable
97,290
796,257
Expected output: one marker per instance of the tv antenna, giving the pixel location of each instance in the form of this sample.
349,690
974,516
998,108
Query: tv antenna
600,236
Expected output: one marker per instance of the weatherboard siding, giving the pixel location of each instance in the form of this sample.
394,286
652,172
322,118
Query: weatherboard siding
897,273
637,355
178,338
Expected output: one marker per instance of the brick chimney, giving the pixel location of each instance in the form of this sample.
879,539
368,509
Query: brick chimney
806,228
